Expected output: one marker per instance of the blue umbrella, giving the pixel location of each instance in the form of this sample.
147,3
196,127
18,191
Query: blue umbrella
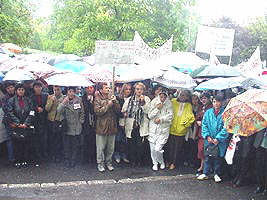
217,71
73,66
218,84
1,76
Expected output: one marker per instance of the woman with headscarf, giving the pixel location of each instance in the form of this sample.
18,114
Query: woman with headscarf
160,116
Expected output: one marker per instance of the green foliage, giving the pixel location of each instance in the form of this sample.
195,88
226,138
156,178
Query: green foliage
76,25
15,21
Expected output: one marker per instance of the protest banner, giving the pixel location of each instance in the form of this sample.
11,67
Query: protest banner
147,53
219,41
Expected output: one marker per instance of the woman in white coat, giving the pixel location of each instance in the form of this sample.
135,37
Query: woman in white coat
160,115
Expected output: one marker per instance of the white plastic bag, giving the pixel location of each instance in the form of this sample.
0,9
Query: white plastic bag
231,149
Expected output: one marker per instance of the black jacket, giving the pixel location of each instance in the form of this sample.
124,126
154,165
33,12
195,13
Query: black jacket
40,118
16,114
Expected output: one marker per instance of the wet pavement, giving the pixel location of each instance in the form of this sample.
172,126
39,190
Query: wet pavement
123,183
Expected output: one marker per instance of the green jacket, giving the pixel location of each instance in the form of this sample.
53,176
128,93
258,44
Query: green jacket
51,108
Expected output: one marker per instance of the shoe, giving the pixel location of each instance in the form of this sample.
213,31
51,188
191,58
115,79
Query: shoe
162,166
100,168
259,190
24,164
17,165
155,167
217,179
202,177
126,160
110,167
118,160
172,166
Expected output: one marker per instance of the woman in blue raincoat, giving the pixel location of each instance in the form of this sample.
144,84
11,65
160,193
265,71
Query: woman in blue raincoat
214,133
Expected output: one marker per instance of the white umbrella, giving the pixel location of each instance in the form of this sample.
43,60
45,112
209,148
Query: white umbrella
218,84
18,75
185,60
37,67
174,79
68,80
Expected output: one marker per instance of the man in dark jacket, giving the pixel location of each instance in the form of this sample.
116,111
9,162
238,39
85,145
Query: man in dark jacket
10,92
260,144
88,131
106,110
39,100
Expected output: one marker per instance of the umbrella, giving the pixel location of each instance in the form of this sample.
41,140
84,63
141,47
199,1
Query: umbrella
68,80
174,79
183,61
72,66
12,47
18,75
1,76
214,71
252,82
246,113
218,84
136,73
62,58
100,75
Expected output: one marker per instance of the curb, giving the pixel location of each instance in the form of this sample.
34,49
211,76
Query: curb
97,182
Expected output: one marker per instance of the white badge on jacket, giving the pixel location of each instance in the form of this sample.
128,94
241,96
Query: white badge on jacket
76,106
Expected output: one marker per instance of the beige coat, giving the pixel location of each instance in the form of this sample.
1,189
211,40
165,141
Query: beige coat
129,121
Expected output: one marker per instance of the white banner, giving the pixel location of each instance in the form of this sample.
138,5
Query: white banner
114,52
253,67
147,53
219,41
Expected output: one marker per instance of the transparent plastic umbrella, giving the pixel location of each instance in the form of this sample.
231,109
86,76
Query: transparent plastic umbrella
68,80
18,75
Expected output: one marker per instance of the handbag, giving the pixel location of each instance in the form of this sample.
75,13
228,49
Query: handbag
211,150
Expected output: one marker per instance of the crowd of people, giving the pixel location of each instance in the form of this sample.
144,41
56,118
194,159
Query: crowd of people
139,125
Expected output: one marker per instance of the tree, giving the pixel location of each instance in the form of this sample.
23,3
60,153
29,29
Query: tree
15,21
76,25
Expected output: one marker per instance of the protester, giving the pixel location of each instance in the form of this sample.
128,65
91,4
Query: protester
214,133
120,140
39,100
160,115
106,109
243,161
55,125
261,161
10,92
20,115
135,110
206,104
182,120
73,112
190,147
88,137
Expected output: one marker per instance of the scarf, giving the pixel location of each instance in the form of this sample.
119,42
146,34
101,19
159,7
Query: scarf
21,103
135,110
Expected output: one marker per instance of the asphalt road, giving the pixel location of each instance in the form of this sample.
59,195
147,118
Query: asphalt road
54,181
176,189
